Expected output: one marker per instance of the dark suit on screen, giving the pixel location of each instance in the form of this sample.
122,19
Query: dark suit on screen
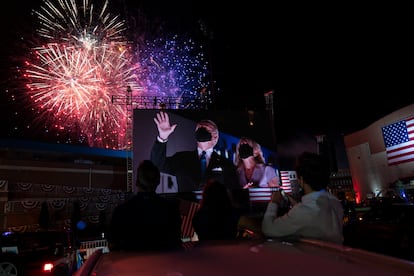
185,165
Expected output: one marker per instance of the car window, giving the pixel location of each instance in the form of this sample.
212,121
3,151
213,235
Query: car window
53,241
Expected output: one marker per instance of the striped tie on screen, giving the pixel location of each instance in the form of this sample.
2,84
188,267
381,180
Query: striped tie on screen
203,163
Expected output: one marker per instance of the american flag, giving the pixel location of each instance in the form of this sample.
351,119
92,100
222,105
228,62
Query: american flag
188,209
261,194
287,177
399,141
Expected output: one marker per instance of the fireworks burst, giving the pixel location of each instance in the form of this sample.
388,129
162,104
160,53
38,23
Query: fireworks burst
83,63
174,67
66,21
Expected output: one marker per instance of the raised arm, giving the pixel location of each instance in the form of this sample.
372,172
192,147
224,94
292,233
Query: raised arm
162,120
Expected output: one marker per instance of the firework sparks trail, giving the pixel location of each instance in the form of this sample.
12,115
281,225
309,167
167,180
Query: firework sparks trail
172,67
83,63
63,21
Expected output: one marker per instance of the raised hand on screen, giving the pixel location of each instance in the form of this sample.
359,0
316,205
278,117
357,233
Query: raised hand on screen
162,120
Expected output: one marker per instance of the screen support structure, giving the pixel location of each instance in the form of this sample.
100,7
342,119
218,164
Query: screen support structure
150,102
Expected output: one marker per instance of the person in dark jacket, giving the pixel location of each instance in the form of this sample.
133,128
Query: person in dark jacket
146,221
217,218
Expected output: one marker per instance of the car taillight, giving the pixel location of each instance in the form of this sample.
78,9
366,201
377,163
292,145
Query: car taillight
47,267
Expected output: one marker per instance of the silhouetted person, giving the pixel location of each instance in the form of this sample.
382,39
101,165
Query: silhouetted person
319,214
217,218
146,221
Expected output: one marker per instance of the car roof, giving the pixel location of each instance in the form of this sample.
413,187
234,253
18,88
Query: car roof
250,258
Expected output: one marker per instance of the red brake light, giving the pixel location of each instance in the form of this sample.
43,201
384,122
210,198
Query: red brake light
47,267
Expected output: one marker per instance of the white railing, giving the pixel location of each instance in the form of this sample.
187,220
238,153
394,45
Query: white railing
87,248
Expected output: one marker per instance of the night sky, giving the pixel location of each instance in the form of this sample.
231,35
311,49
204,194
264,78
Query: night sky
332,67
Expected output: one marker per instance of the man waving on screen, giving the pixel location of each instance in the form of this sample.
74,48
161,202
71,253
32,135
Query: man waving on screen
187,166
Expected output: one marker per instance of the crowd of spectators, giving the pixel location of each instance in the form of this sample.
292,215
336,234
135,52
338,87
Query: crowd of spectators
150,221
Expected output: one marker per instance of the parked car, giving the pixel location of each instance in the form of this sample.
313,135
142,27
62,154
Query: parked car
37,253
247,257
387,228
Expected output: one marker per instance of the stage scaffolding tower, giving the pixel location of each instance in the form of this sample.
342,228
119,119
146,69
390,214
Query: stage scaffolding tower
151,102
271,114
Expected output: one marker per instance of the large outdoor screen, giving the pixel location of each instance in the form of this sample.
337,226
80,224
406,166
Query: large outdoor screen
232,125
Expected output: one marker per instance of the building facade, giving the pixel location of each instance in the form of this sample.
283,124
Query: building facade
382,154
59,175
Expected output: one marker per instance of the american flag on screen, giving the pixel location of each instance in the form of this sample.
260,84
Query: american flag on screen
399,141
287,177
